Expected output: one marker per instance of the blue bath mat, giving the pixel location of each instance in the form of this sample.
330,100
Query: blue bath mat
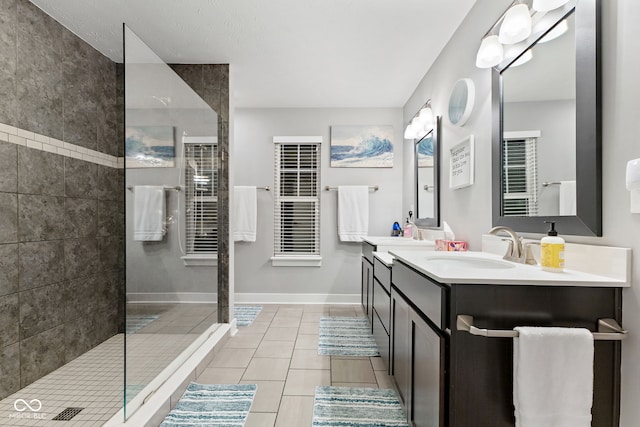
357,407
137,322
212,405
245,314
346,336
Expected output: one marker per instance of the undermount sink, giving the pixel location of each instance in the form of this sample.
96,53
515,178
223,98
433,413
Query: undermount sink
456,260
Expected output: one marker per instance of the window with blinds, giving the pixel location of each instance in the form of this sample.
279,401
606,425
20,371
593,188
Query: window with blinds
520,177
297,199
201,197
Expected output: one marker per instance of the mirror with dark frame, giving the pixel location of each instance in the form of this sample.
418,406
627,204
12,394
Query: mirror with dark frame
546,149
427,165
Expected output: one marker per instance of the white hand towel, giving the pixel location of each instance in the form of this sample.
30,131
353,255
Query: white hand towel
246,213
567,195
553,377
148,213
353,212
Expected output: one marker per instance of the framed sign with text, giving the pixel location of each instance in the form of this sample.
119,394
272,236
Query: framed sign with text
461,160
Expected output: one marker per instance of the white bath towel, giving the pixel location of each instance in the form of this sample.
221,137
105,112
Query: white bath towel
553,377
245,207
567,195
148,213
353,212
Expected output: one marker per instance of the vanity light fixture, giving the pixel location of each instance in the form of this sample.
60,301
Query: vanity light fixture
524,58
421,124
547,5
516,25
490,53
555,32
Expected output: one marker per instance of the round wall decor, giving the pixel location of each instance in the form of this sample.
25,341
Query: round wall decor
461,101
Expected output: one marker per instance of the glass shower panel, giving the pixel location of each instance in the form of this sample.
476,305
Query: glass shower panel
171,202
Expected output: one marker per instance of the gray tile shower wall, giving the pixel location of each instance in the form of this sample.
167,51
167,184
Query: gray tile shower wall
61,219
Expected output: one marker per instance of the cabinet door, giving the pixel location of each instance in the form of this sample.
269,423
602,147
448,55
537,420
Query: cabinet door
400,346
370,294
427,374
366,294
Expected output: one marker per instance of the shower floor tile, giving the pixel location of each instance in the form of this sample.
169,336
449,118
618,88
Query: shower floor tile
94,380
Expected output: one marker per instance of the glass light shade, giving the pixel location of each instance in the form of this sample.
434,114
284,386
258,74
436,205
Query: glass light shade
547,5
526,57
410,132
490,52
516,25
555,32
425,116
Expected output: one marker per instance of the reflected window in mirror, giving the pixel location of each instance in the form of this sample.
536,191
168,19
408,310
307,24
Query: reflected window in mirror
546,99
539,128
427,178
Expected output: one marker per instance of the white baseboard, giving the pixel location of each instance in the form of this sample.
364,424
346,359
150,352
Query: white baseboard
256,298
241,298
172,297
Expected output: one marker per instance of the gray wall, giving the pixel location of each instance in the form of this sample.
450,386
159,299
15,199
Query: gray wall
254,157
61,219
556,146
621,44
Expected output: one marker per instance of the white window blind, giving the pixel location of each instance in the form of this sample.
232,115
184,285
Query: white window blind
520,177
201,198
297,199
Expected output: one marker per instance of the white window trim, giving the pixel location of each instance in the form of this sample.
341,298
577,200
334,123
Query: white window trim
194,260
298,260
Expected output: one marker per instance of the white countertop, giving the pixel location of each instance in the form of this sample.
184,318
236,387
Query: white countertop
514,274
388,241
385,257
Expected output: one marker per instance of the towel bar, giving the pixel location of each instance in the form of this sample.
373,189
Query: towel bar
608,330
166,187
267,188
546,184
371,187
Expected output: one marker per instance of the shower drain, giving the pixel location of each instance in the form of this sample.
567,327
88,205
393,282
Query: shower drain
67,414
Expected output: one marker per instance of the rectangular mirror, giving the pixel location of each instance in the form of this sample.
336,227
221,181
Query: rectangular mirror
427,165
547,125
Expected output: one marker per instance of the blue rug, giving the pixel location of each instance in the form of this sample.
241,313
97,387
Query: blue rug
346,336
137,322
245,314
212,405
357,407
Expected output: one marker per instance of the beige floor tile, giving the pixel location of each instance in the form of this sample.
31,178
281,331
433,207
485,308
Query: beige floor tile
266,369
279,349
383,379
268,395
285,322
307,341
314,317
244,340
315,308
261,419
378,364
255,327
295,411
303,382
232,358
356,385
220,376
352,371
309,359
309,328
270,308
281,334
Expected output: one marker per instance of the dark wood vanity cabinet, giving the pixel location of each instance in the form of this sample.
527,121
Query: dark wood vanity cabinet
366,295
446,377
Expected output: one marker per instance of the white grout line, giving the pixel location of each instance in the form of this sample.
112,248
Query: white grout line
14,135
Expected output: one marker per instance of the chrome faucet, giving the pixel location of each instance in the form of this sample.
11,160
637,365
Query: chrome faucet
516,252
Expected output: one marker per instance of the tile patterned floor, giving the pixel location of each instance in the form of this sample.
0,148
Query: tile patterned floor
279,352
94,380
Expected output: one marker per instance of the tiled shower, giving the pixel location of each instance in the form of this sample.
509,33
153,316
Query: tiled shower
62,195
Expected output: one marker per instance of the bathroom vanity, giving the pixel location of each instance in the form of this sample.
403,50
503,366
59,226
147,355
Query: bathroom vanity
446,376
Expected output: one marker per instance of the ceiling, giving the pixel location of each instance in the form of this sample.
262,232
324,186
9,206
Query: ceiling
283,53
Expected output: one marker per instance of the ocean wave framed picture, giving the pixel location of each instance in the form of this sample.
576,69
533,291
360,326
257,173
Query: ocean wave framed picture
355,146
150,147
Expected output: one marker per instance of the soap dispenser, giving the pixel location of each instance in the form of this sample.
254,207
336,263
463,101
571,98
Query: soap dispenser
552,250
408,226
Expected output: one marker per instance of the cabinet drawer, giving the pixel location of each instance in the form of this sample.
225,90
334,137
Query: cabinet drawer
367,251
427,296
381,303
382,273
